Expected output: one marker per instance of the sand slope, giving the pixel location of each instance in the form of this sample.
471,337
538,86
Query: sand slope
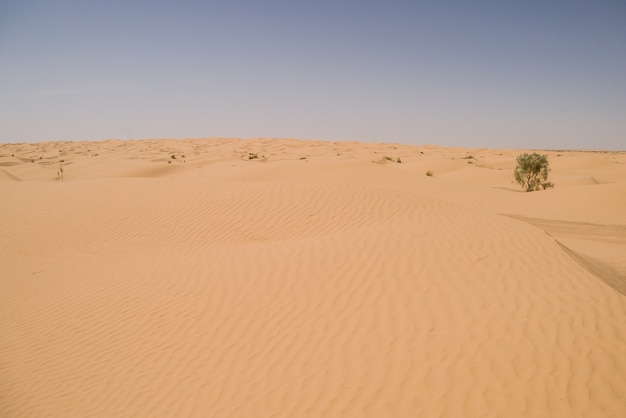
317,279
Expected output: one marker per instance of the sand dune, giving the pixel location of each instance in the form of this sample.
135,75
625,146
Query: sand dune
278,277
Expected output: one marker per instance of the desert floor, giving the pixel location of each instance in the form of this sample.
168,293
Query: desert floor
279,277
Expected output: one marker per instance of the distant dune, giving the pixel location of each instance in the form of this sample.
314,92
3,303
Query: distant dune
280,277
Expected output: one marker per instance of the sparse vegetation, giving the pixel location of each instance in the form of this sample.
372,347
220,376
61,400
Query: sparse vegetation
173,157
388,158
252,156
429,173
531,172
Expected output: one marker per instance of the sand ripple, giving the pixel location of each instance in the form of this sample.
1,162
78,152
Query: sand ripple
232,291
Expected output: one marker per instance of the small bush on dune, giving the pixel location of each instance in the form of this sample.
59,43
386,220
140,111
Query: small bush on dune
429,173
532,172
388,158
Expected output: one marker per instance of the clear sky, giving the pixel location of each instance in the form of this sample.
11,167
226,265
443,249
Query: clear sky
501,73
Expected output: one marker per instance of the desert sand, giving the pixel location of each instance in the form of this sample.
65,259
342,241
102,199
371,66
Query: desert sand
279,277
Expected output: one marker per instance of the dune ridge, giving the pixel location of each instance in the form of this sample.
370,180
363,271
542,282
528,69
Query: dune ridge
309,281
605,241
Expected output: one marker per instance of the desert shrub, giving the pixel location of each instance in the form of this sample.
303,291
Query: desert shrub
532,171
388,158
429,173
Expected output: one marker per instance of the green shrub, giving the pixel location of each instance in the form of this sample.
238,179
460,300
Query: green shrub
532,171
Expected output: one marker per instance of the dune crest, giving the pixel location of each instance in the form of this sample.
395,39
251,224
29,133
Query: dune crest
282,277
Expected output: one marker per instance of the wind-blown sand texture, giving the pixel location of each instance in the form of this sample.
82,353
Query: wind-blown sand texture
183,278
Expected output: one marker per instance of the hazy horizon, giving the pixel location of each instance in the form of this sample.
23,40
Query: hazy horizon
546,75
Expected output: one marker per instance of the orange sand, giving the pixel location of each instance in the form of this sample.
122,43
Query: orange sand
319,279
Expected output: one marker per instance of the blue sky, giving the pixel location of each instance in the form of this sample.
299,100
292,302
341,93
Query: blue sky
526,74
